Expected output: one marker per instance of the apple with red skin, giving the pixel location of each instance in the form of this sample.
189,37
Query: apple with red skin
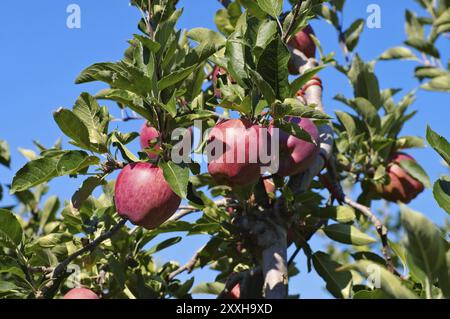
143,196
303,42
402,186
147,135
80,293
235,293
297,155
234,136
219,72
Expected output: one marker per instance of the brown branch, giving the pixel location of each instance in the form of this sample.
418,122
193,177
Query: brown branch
336,190
61,267
189,266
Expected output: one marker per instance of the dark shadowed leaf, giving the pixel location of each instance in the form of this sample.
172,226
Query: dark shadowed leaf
441,192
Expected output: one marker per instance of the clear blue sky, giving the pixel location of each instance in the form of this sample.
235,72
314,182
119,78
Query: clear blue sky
40,58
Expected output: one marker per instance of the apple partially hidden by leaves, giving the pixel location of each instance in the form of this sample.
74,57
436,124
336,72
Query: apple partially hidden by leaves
233,158
80,293
303,42
143,196
402,186
297,155
149,137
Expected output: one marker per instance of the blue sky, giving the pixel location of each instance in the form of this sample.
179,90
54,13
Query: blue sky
41,57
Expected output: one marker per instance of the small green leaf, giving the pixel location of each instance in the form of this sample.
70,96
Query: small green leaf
338,283
353,33
416,171
211,288
341,214
441,192
73,162
398,53
9,265
388,282
425,244
126,153
348,234
34,173
163,245
272,7
73,127
175,77
202,34
295,130
177,177
10,229
439,143
86,190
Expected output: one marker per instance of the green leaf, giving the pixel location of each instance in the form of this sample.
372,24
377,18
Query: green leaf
34,173
338,283
429,72
440,84
398,53
341,214
272,66
371,294
416,171
202,34
9,265
177,177
424,47
73,127
389,283
86,190
163,245
130,99
175,77
441,192
353,33
73,162
444,276
272,7
364,81
148,43
424,244
299,82
211,288
348,234
126,153
298,109
266,32
5,156
348,122
10,229
369,114
294,129
409,142
264,87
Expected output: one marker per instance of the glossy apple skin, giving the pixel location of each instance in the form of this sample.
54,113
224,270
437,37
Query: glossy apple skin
217,72
297,155
402,186
235,135
80,293
303,42
143,196
147,134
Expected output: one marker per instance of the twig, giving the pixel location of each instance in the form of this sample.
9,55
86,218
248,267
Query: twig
61,268
189,266
338,193
296,12
187,210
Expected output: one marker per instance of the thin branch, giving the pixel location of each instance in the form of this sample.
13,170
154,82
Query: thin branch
338,193
189,266
295,15
61,268
187,210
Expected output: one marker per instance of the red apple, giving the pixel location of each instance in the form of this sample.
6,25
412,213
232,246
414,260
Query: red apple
147,136
230,138
80,293
402,186
295,154
143,196
235,293
303,42
220,72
